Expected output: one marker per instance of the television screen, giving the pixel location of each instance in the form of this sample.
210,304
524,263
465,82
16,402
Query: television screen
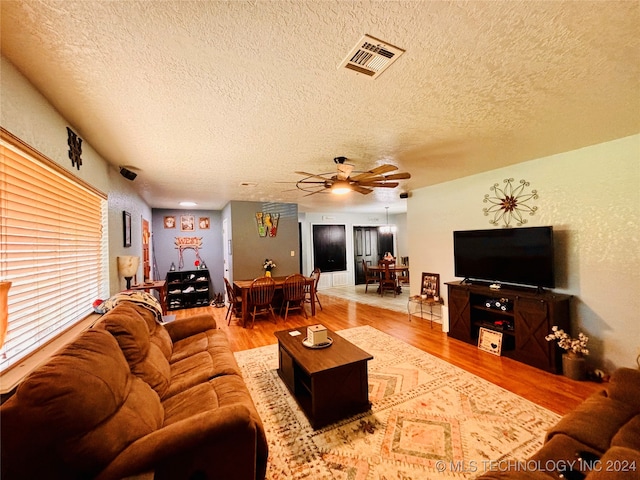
522,256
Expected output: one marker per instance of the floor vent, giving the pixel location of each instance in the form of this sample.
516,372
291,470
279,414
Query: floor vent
371,57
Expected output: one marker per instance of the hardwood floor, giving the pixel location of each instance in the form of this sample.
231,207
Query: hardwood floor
554,392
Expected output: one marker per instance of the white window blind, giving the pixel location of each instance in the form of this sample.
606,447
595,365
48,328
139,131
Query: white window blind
52,248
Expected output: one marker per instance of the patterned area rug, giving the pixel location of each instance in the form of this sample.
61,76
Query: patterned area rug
429,419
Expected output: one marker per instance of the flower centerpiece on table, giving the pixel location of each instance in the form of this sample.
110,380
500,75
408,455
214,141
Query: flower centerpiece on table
268,266
573,346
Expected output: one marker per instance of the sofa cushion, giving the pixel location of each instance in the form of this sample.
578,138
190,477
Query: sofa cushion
145,359
157,332
629,435
594,422
624,386
218,392
84,405
618,463
216,344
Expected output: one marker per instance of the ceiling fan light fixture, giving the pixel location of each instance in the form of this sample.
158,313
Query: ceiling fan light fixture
340,187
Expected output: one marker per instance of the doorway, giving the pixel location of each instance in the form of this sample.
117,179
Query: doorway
369,245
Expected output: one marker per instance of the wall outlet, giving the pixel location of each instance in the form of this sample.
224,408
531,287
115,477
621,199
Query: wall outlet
293,253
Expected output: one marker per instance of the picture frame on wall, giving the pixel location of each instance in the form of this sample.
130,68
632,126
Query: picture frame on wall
203,223
187,223
430,285
170,221
126,228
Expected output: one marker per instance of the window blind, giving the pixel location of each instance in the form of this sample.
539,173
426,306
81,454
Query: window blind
53,249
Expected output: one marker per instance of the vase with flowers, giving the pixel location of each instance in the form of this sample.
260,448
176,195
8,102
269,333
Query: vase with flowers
268,266
574,365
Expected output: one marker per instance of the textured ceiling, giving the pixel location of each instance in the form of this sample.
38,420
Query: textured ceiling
200,97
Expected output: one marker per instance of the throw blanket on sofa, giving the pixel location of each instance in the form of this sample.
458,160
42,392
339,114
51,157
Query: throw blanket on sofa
144,299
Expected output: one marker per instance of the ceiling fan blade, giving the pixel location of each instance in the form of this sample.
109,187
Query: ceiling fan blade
360,189
383,169
398,176
379,184
313,193
310,175
376,172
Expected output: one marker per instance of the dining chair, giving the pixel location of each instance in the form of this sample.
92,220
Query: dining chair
316,279
235,301
261,297
369,277
294,293
404,278
389,281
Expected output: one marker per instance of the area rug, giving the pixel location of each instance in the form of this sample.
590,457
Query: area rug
429,419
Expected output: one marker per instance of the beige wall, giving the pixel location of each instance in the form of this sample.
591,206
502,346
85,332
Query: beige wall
591,197
27,115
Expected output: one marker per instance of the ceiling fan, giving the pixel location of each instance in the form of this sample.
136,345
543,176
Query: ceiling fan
346,179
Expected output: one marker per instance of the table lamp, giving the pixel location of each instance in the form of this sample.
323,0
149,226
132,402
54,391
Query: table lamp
128,267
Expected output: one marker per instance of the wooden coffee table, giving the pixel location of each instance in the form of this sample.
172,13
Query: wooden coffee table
329,384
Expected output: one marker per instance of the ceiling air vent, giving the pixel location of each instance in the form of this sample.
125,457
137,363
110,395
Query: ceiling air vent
371,56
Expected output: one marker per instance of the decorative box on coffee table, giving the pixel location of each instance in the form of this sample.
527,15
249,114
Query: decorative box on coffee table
329,383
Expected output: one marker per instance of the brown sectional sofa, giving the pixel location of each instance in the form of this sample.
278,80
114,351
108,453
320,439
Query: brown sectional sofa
134,397
599,440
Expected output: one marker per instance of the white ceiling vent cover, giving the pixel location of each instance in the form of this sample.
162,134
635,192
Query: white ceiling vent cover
371,56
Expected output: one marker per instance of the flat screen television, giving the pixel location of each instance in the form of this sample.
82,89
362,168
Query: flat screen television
520,256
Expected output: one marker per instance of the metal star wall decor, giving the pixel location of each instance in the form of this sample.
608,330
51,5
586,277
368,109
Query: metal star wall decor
510,203
75,148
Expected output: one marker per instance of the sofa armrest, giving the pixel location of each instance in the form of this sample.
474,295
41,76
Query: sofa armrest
186,327
219,443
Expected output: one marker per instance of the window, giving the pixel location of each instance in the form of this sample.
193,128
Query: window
52,248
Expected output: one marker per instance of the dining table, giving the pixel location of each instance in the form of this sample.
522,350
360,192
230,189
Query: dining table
397,269
242,287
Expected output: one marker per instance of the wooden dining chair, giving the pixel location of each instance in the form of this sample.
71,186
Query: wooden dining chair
294,293
389,280
369,277
260,298
235,301
316,278
404,278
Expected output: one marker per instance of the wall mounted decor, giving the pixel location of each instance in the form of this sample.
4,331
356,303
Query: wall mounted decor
183,243
75,148
203,223
510,203
170,222
187,223
267,223
126,227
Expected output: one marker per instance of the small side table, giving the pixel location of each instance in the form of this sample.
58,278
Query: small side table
160,286
424,306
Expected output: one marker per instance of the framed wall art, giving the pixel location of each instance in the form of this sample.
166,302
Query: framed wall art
187,223
430,285
126,228
203,223
170,221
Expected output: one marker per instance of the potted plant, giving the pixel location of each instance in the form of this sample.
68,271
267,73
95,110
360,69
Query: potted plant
574,365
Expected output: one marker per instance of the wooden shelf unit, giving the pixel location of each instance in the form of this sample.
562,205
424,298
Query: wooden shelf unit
527,320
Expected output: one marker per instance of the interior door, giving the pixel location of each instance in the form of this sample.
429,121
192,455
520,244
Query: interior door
365,247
